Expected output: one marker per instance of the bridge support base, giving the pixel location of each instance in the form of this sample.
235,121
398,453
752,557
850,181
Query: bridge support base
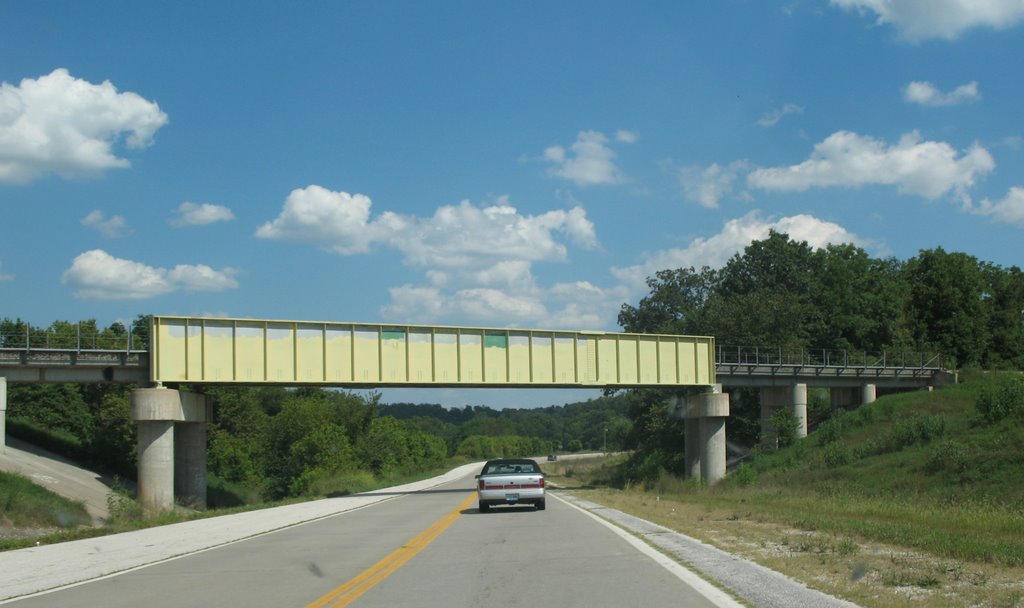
705,415
171,447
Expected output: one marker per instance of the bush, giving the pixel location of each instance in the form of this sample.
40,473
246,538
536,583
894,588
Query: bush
837,455
785,424
948,456
744,475
829,431
1003,400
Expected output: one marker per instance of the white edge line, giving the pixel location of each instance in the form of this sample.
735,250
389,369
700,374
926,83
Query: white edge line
701,586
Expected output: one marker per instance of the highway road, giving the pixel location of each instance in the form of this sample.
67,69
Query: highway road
424,549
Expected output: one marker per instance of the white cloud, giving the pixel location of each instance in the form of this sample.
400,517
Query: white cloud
115,227
926,168
69,126
707,186
477,260
578,305
192,214
925,94
772,118
456,236
1013,142
96,275
626,137
923,19
735,235
4,276
464,235
337,221
1010,210
591,161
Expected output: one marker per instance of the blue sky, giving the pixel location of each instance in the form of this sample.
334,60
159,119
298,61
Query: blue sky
485,163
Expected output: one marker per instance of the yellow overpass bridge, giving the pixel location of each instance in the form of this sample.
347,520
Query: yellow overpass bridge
248,351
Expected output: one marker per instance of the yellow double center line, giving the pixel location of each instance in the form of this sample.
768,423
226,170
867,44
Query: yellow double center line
352,590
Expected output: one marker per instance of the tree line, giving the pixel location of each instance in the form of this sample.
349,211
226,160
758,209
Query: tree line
782,293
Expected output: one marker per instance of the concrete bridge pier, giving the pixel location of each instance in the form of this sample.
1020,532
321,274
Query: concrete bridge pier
171,447
3,414
773,398
704,415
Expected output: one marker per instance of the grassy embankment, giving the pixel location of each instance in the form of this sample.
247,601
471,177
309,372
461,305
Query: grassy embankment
23,504
915,500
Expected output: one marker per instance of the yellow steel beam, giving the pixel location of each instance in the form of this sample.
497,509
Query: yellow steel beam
256,351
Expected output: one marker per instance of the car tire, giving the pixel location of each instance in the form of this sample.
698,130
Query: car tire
484,507
540,505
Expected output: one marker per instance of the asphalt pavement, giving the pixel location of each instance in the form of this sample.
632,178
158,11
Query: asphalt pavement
38,569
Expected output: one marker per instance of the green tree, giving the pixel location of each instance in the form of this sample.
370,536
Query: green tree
861,302
1004,300
946,302
676,303
385,446
52,406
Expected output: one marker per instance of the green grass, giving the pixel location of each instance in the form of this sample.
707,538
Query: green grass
922,470
23,504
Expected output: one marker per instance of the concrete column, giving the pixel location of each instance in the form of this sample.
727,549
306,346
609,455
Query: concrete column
798,401
712,442
3,414
190,463
867,394
705,415
693,447
156,410
156,464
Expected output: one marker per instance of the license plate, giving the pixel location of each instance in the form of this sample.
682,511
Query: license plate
512,497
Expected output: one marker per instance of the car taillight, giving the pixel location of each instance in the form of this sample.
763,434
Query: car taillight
542,482
480,486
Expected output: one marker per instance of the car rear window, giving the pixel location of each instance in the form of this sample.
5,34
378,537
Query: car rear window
500,468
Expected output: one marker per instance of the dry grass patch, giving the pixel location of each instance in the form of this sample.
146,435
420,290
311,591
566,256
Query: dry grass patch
867,573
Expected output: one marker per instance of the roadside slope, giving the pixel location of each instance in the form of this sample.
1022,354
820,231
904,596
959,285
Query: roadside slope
60,476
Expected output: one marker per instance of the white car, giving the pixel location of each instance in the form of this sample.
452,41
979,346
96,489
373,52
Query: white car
510,481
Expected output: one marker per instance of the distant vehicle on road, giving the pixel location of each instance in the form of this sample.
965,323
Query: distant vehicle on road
552,457
510,481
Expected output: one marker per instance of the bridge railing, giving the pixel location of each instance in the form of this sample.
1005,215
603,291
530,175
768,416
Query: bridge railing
761,356
71,339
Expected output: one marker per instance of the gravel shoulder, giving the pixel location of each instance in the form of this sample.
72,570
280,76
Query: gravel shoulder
748,581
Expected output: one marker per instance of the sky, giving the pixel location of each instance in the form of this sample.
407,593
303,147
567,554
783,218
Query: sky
485,164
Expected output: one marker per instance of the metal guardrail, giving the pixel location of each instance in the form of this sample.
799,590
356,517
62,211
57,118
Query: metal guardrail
79,340
828,358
